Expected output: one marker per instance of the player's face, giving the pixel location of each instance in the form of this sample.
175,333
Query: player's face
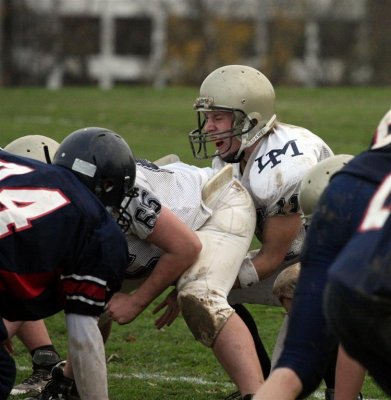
218,125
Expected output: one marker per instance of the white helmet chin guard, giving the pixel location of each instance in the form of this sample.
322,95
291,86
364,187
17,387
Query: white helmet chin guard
37,147
316,180
243,91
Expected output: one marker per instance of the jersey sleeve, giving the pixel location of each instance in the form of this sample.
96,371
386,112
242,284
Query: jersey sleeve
97,271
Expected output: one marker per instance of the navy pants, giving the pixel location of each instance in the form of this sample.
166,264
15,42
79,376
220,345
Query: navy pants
363,325
7,366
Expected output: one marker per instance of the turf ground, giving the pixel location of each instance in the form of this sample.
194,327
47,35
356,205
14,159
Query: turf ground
145,363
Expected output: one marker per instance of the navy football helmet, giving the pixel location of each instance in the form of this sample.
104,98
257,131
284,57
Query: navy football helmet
103,161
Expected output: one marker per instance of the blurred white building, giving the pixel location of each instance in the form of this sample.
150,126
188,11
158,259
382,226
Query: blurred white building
109,41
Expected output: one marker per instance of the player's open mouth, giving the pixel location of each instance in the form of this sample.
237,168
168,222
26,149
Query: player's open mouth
219,143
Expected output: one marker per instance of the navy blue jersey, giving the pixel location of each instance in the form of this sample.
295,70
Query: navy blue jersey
336,221
59,247
364,265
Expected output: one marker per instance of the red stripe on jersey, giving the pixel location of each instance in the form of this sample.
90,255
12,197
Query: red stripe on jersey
26,286
87,288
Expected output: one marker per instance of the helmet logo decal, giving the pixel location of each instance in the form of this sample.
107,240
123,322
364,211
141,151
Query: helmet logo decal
84,167
274,154
204,102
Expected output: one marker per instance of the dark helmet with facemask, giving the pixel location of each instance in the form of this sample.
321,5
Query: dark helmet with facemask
102,160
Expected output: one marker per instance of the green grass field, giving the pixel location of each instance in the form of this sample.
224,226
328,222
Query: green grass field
145,363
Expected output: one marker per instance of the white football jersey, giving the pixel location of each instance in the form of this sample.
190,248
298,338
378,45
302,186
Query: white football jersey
178,187
274,171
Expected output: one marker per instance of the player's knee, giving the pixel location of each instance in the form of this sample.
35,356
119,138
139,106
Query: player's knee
204,316
285,284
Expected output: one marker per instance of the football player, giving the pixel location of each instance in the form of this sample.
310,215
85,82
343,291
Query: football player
347,246
221,214
349,375
237,124
33,334
358,293
60,249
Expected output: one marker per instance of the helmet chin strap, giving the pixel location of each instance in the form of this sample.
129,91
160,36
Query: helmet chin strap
245,144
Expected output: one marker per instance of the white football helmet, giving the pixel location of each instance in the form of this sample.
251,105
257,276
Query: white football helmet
245,92
316,179
382,136
38,147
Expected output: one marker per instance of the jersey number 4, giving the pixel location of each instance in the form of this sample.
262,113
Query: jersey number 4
19,206
379,207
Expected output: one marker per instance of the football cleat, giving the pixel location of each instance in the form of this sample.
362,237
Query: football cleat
43,362
59,387
34,384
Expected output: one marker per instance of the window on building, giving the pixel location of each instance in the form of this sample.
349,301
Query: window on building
337,38
81,35
133,36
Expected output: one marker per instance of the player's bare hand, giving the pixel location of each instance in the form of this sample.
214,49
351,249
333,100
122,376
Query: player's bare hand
123,308
171,311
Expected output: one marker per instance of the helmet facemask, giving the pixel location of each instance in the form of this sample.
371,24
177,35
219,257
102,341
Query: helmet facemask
246,93
121,214
244,125
116,194
203,143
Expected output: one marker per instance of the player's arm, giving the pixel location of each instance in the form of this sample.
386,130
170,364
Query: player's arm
278,235
180,246
87,355
282,384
